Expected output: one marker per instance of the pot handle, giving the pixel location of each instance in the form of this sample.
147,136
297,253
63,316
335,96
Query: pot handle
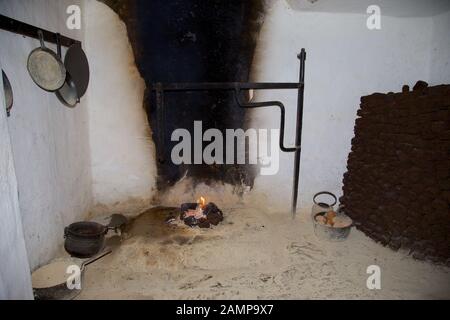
66,231
327,193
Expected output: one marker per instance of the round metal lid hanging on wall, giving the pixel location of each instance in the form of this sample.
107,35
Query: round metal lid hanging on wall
68,93
77,66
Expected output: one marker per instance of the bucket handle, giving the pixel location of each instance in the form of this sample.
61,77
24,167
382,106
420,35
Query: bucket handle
327,193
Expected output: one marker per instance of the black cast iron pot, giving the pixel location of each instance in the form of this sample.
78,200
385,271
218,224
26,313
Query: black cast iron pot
84,239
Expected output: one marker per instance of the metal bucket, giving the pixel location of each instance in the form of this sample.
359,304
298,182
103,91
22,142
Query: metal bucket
332,233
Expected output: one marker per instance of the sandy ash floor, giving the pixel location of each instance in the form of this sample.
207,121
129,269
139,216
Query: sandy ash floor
253,255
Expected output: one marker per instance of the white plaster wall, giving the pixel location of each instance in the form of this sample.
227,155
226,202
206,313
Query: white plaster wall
123,154
344,61
15,281
49,140
440,56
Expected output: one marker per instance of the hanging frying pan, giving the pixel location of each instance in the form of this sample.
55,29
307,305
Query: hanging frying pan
68,93
7,89
45,67
77,65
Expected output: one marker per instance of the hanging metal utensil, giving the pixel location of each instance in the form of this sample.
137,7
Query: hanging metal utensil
45,67
7,90
77,65
68,93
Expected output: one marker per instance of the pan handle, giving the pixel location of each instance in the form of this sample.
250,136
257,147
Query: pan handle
41,38
58,44
95,258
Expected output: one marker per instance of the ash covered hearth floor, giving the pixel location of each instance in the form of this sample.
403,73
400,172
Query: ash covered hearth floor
253,255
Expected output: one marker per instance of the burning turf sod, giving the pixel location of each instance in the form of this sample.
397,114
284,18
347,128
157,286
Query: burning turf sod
201,214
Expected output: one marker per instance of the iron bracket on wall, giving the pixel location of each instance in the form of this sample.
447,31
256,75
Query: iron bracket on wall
28,30
237,88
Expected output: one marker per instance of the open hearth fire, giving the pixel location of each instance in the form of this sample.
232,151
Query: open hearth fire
200,213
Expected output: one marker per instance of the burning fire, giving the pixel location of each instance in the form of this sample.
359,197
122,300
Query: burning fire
198,211
201,202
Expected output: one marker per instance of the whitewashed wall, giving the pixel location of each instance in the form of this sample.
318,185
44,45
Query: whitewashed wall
122,151
344,61
49,141
15,282
440,54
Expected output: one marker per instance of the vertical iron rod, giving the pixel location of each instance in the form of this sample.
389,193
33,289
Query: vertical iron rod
298,132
